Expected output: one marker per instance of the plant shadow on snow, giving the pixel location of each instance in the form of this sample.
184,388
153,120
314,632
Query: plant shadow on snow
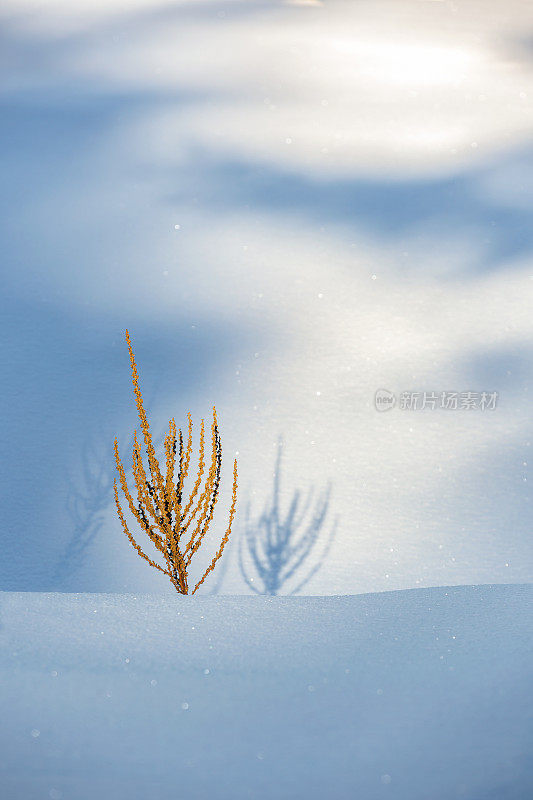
276,548
89,495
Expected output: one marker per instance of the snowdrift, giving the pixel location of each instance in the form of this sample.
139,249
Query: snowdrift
405,695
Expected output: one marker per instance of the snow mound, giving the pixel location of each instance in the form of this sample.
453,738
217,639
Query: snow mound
407,695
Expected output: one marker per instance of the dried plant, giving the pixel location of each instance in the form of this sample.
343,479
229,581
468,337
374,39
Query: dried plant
163,500
278,544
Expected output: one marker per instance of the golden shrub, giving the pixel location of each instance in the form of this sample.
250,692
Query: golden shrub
179,525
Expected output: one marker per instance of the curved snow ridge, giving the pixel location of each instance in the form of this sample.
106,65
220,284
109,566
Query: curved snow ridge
99,631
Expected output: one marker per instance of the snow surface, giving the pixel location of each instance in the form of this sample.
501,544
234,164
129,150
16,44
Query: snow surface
414,695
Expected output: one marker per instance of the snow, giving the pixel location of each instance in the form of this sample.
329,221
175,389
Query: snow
406,695
290,205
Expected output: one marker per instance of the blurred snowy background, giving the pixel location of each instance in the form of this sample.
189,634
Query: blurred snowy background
289,205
